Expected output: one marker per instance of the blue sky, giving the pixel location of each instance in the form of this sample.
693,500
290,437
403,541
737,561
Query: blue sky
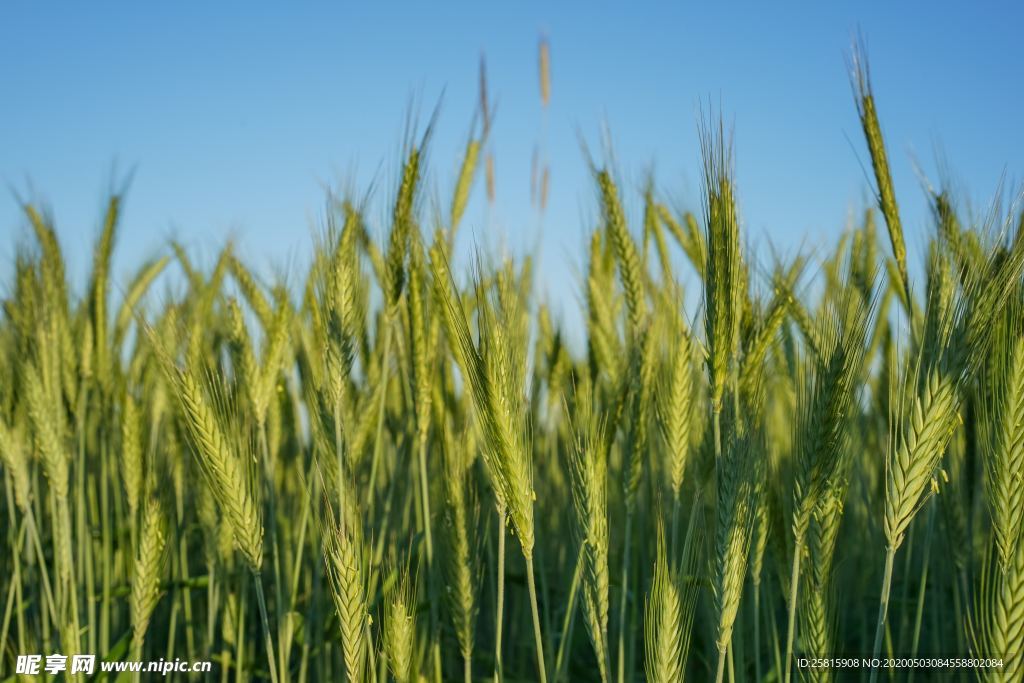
235,116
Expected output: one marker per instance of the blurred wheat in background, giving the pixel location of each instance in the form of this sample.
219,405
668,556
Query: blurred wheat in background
391,467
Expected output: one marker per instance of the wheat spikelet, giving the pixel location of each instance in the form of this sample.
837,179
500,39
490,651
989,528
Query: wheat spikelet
400,631
738,498
100,286
880,164
421,370
589,474
544,67
814,632
625,250
15,462
641,399
224,466
47,431
149,567
1003,417
242,356
491,380
663,622
826,406
467,172
676,403
251,291
723,287
930,422
817,622
602,336
998,631
957,329
461,515
402,225
690,238
131,453
343,555
273,362
144,277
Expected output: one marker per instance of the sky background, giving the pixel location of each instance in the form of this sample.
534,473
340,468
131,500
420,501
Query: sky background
235,117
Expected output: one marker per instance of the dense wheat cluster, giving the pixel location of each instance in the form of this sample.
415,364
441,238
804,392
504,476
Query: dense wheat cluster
395,466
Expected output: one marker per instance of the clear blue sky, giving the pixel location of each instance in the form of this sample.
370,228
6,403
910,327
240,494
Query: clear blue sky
234,116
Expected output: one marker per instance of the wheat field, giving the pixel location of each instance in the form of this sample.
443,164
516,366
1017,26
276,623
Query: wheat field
398,466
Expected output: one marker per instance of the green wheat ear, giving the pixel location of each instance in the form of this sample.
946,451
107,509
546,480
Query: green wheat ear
14,457
467,172
131,453
724,285
663,621
865,100
343,554
220,461
739,496
149,567
589,476
461,517
675,402
400,630
630,267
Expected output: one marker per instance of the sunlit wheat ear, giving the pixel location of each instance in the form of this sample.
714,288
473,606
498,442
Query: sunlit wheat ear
996,626
343,555
671,602
131,453
149,568
252,292
865,101
400,630
99,291
338,314
229,478
242,357
461,517
602,333
817,612
663,622
957,329
589,477
675,403
544,67
1003,431
630,267
401,225
47,432
464,183
274,358
641,407
421,353
489,377
143,279
826,405
690,238
739,493
761,342
14,458
916,447
724,284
